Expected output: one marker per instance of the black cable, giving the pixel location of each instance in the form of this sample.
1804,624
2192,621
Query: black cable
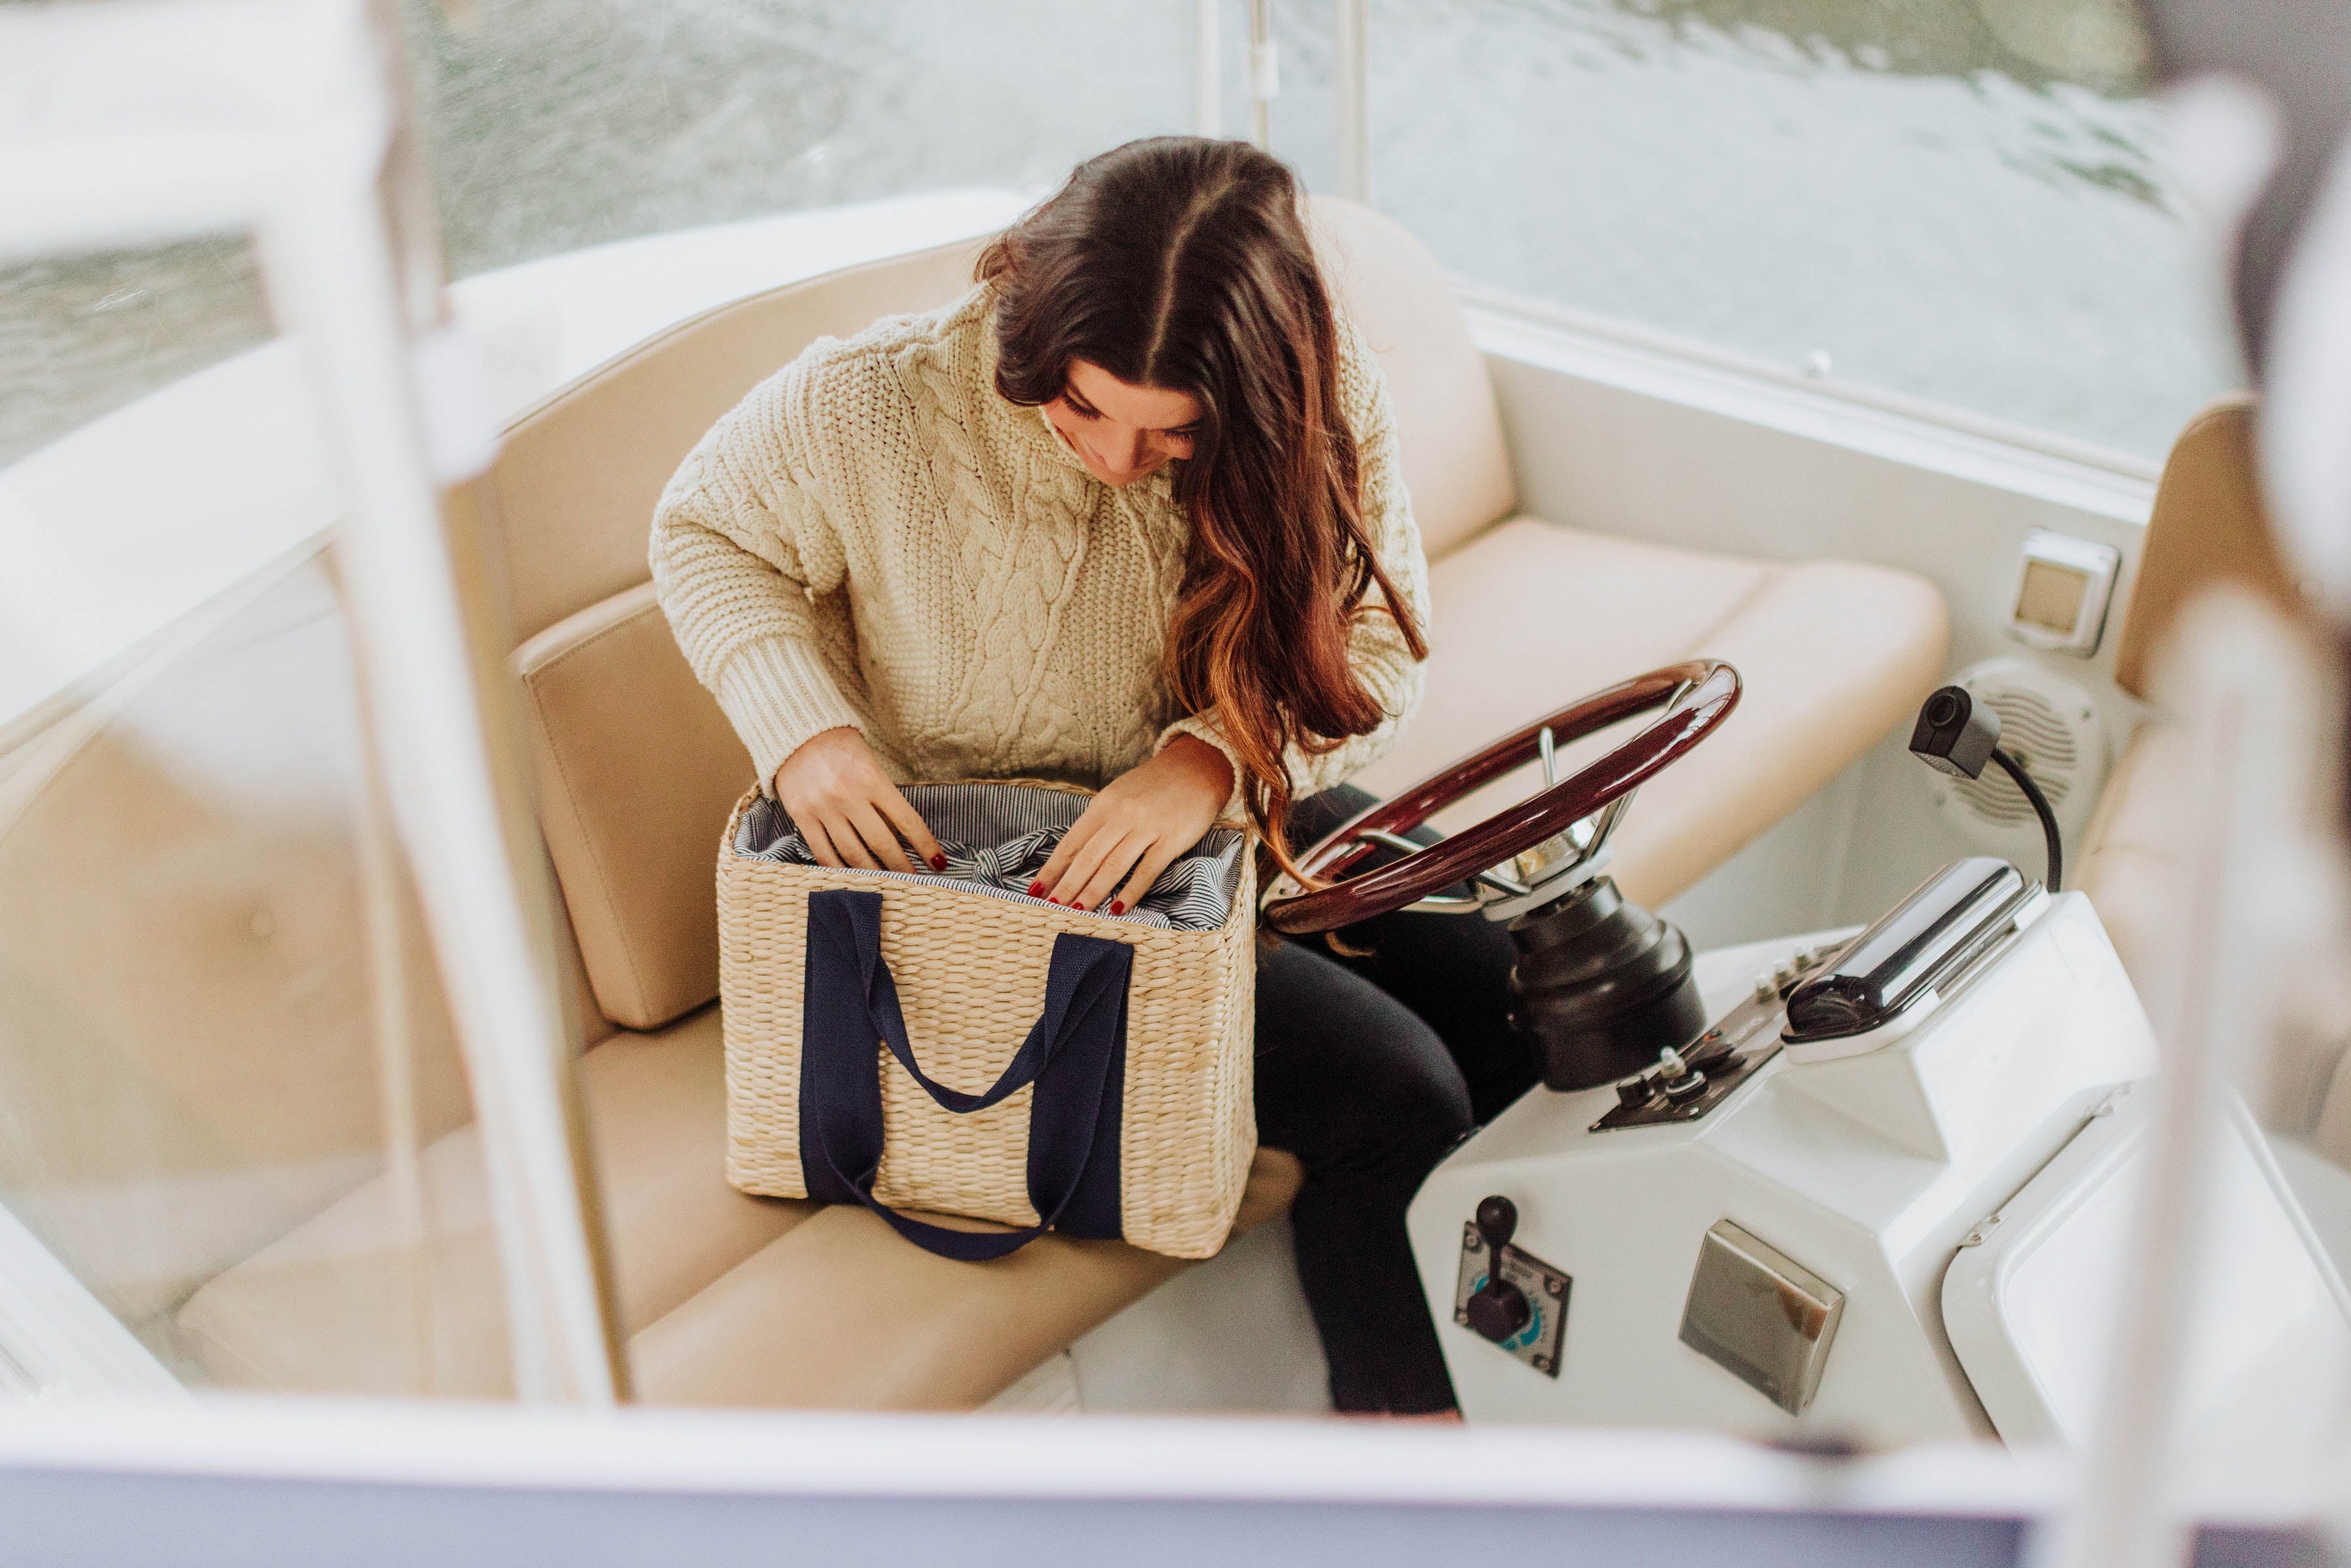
2041,807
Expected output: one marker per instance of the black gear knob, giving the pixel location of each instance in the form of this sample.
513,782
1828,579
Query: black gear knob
1498,1221
1497,1309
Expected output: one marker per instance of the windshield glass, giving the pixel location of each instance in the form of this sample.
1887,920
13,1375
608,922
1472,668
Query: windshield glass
234,1139
554,125
1965,203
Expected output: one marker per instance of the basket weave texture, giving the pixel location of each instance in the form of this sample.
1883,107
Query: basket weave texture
970,974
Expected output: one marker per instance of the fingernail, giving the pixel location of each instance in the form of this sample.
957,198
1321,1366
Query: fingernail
938,862
1036,890
1054,902
1118,906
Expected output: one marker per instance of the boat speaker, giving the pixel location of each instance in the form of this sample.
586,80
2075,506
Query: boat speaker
2051,728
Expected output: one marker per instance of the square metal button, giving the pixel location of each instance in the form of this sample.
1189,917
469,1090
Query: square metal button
1760,1315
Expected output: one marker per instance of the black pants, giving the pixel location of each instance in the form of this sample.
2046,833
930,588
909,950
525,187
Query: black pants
1368,1070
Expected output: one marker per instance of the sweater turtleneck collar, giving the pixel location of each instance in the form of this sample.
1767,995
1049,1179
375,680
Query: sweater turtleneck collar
1160,486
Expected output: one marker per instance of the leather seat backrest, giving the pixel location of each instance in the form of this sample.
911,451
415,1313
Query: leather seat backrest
2208,526
575,483
1455,460
637,765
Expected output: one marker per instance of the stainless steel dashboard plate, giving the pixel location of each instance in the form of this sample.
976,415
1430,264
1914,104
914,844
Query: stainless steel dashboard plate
1760,1315
1538,1344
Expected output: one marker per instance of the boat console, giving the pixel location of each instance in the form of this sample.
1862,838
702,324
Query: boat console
1811,1214
1882,1198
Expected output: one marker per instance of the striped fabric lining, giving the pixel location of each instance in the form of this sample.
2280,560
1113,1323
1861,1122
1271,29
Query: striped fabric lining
998,837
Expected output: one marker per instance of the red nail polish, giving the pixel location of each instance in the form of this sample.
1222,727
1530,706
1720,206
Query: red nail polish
1036,890
1118,906
938,862
1054,902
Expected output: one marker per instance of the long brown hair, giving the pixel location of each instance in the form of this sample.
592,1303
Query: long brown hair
1182,263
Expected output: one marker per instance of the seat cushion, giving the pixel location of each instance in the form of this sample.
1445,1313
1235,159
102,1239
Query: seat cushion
719,1314
1530,616
2129,862
840,1313
1456,466
635,770
187,994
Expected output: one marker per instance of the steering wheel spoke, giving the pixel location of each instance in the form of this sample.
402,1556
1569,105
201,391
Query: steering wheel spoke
1388,841
1509,887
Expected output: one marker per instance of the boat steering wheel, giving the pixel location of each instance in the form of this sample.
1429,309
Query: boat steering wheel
1530,854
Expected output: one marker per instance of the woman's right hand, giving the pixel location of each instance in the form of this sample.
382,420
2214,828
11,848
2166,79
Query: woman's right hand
845,806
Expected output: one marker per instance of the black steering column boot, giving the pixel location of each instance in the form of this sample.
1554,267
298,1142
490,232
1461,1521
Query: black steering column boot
1601,987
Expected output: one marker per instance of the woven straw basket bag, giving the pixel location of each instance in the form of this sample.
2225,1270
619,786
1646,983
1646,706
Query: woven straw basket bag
1149,1126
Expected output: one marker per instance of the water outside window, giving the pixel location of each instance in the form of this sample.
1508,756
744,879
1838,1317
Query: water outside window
1961,199
557,124
562,123
82,335
1964,200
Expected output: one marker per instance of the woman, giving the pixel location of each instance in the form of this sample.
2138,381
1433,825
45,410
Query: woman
1128,515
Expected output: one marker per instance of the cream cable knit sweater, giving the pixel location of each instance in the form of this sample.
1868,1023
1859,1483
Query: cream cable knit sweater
873,536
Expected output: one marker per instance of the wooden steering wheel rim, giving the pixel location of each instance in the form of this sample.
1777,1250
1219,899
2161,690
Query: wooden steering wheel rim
1709,690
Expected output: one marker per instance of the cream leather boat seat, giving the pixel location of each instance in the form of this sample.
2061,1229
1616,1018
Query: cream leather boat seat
2208,526
734,1300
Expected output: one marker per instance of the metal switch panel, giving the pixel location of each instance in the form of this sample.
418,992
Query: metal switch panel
1539,1342
1760,1315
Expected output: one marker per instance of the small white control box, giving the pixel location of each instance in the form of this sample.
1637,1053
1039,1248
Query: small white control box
2065,587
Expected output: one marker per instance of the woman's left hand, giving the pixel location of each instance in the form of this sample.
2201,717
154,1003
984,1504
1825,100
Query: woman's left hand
1136,827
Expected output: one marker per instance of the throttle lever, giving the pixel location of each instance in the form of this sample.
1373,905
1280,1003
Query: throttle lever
1497,1309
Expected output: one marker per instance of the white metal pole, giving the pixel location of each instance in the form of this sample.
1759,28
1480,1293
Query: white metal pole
57,1338
327,269
1350,80
1264,72
328,258
403,1170
2254,890
1207,68
191,115
102,141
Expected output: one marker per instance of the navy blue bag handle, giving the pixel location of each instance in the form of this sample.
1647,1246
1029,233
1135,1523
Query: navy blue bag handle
1075,1055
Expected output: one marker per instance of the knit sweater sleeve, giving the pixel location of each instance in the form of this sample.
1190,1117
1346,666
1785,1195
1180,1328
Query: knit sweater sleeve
1376,648
747,561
